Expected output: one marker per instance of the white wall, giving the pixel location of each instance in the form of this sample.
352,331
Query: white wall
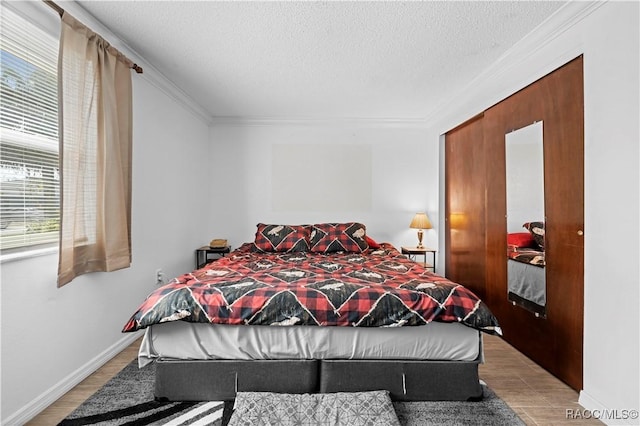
410,177
186,192
404,177
612,188
50,336
608,36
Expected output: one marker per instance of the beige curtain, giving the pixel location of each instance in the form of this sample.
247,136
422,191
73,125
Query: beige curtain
95,153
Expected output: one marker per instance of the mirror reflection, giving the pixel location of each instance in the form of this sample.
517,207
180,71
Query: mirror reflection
525,218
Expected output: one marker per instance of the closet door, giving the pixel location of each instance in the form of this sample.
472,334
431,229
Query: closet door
465,206
476,192
554,342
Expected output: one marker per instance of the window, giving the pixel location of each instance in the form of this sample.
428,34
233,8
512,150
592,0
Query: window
29,169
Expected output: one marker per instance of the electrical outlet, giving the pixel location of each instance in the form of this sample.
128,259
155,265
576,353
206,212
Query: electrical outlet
159,277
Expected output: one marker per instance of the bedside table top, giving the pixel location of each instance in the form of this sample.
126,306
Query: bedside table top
416,250
226,249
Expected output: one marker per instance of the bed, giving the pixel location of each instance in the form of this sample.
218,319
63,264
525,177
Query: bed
313,308
526,279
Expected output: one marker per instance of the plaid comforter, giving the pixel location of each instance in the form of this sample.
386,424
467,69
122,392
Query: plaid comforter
527,255
374,288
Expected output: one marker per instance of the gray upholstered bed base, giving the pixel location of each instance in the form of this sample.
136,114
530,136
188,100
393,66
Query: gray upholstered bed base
406,380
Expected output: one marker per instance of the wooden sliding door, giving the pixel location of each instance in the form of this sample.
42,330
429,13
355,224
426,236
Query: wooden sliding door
476,192
465,205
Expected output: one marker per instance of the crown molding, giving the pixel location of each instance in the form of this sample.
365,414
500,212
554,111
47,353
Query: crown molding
151,73
473,98
505,75
470,98
403,122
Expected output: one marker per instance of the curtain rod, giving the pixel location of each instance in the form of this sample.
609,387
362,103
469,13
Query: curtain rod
60,12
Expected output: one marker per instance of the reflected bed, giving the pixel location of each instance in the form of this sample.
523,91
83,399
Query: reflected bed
526,262
527,286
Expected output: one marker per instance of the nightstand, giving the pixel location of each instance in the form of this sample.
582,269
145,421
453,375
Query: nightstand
411,252
202,254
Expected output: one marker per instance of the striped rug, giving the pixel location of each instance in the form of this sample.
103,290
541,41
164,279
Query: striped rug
127,399
154,412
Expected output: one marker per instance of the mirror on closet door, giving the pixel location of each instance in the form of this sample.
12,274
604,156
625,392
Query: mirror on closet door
526,279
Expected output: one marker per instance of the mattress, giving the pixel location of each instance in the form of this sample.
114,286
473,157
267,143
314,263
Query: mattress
527,281
199,341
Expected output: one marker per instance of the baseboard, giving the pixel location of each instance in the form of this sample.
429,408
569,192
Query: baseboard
609,416
35,407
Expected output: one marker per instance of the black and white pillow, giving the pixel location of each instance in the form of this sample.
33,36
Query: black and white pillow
281,238
537,232
348,237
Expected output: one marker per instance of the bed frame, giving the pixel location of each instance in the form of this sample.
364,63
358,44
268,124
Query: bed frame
181,379
217,380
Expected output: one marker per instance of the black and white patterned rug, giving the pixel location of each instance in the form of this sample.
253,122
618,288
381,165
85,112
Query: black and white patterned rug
127,399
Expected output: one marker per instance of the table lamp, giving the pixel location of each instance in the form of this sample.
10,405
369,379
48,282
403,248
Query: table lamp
420,222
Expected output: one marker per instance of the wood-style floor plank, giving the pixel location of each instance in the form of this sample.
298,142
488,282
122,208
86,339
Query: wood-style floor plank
60,409
538,397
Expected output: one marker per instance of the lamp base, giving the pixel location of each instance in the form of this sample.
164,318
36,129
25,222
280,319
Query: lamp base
420,234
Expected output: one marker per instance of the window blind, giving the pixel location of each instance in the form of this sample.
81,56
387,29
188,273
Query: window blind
29,168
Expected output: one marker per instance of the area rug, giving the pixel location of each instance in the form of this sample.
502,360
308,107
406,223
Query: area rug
127,399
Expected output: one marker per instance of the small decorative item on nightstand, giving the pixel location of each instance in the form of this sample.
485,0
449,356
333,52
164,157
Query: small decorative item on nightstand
202,254
411,252
218,243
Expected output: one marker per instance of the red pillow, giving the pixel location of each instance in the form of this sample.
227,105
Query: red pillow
520,239
372,243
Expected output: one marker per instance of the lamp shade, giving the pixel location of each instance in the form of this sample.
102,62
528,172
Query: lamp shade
420,221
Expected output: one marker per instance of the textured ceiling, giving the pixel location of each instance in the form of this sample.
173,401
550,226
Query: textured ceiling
287,60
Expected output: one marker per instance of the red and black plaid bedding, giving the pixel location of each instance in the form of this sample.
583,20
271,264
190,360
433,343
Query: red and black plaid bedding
374,288
527,255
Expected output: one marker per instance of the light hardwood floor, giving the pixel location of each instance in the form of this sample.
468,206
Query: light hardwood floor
538,397
535,395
